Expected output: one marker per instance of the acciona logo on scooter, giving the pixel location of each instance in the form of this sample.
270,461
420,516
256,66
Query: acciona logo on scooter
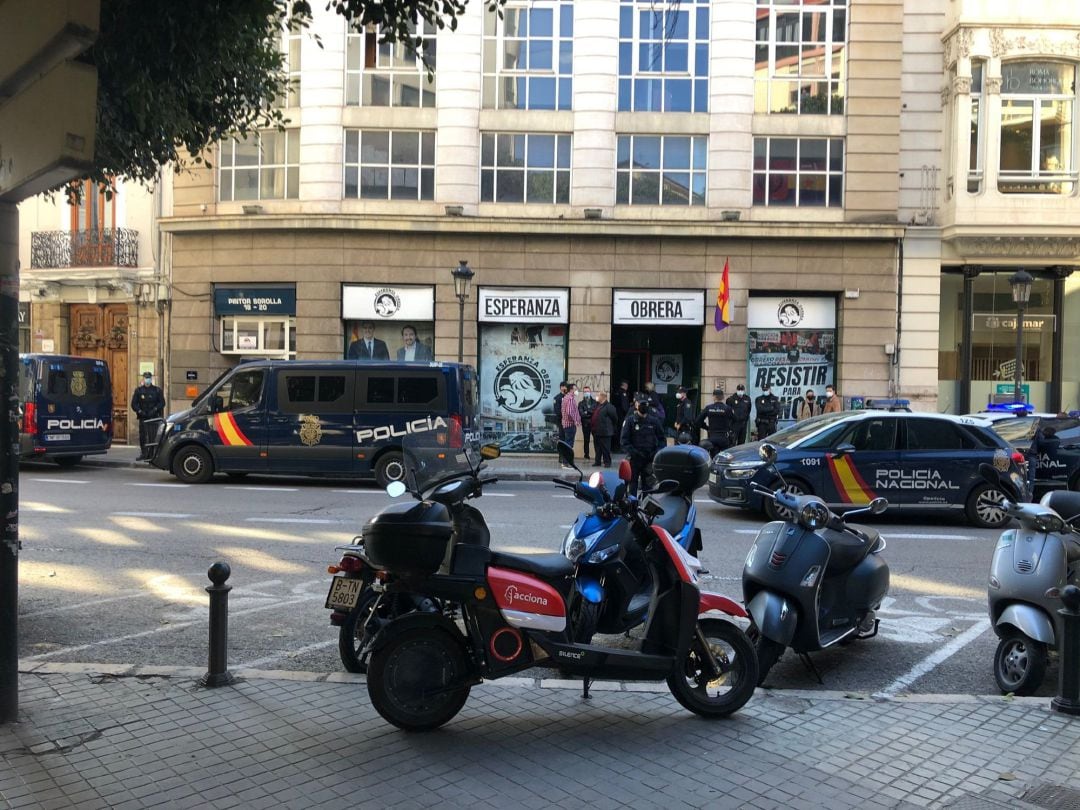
514,595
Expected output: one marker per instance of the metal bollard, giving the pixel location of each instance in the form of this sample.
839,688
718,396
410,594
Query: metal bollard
218,672
1068,696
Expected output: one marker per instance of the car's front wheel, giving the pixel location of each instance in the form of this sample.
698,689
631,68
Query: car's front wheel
986,507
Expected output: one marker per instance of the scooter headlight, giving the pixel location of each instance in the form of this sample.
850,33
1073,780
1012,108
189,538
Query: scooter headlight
1048,522
603,554
813,516
574,547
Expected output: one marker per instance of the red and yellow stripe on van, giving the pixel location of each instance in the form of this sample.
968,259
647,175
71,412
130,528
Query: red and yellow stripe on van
849,484
228,431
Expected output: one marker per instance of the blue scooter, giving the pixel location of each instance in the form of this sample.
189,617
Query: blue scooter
613,583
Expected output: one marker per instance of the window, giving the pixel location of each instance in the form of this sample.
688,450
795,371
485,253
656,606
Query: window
1037,128
417,390
664,56
384,74
660,170
872,435
800,56
518,168
290,45
799,171
933,434
301,392
975,147
394,165
266,167
62,382
529,56
242,390
380,390
259,336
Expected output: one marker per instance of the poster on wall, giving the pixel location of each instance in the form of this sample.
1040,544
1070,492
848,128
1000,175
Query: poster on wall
521,366
388,323
667,372
791,346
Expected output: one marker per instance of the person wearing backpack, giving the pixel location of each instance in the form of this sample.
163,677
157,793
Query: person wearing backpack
604,423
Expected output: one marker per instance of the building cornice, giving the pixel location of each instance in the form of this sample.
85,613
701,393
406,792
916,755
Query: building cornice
542,227
988,242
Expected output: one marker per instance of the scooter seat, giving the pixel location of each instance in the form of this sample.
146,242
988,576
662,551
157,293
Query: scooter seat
1065,503
676,508
545,566
847,551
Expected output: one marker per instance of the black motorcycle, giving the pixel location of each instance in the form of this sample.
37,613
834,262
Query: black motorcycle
813,580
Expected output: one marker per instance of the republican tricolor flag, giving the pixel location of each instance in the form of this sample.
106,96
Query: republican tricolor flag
722,317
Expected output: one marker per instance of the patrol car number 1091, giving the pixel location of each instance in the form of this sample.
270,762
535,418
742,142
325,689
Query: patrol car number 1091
918,461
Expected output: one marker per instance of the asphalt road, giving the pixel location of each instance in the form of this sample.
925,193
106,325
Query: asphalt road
114,565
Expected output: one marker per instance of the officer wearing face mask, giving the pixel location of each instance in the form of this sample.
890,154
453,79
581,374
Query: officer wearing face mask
740,405
642,435
684,416
717,418
767,406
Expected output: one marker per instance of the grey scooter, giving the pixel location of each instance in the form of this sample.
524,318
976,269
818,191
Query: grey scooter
1031,566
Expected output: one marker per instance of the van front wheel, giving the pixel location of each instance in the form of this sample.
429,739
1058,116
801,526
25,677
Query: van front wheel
391,467
193,465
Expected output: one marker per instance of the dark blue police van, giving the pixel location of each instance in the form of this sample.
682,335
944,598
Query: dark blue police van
66,407
342,418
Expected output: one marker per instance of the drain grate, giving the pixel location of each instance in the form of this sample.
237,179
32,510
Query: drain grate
1054,797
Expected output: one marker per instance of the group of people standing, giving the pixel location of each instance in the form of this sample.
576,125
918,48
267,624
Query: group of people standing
811,407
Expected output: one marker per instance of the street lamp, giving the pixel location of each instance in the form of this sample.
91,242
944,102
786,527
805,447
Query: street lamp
1020,281
462,278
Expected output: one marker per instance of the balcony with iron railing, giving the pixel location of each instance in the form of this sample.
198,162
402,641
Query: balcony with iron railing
109,247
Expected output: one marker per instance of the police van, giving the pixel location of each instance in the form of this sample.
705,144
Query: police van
66,406
342,418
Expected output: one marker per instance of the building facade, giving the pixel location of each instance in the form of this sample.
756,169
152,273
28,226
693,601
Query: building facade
596,163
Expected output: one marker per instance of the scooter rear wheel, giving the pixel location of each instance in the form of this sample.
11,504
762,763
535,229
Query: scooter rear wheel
419,679
1019,664
738,664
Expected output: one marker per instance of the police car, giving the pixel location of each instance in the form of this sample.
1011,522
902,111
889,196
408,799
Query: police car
918,461
1057,469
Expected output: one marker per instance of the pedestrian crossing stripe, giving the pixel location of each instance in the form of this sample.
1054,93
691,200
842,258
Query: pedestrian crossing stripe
228,431
849,484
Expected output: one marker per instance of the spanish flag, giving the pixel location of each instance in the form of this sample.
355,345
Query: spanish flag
722,318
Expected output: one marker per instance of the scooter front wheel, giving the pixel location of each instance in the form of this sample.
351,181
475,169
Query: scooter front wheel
419,679
734,654
1019,664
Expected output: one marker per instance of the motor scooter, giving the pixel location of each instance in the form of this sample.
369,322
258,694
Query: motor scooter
613,585
813,580
504,613
1032,564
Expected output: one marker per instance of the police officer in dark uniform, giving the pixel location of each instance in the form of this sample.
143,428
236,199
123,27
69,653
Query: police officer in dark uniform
149,406
642,435
767,406
684,418
717,419
740,405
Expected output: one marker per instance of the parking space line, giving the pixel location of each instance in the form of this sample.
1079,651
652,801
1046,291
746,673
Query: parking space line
266,489
360,491
258,662
60,480
182,486
178,515
291,520
914,536
939,655
499,495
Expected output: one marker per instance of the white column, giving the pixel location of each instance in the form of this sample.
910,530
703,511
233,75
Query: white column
596,85
458,84
731,104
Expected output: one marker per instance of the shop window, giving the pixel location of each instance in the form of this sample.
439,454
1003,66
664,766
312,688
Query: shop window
803,172
520,168
259,336
1038,121
390,74
800,57
661,170
529,56
389,165
263,167
664,56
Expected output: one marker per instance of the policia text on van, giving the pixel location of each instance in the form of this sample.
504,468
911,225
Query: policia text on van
334,418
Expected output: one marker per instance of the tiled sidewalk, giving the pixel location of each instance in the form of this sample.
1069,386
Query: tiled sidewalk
142,739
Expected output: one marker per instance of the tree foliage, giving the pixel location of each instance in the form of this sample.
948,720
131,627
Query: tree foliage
173,78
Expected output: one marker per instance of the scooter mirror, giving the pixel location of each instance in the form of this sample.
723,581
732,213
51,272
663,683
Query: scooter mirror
878,505
767,452
566,454
395,489
989,474
490,451
625,471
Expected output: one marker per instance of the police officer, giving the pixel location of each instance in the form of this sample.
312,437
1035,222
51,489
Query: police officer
768,411
684,417
149,406
642,435
740,405
717,418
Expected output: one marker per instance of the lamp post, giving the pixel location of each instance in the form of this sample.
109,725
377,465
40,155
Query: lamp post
1020,281
462,278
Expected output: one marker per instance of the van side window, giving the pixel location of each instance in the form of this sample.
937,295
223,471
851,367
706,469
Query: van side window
242,391
300,389
380,390
417,390
308,392
63,381
331,387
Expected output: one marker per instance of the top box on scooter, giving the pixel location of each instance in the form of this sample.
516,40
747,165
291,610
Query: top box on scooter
685,463
408,537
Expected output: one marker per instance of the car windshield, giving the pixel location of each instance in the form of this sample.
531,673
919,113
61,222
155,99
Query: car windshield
1020,429
800,430
435,451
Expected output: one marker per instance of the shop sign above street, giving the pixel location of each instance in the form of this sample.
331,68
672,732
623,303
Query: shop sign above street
382,302
1001,320
254,301
511,305
658,307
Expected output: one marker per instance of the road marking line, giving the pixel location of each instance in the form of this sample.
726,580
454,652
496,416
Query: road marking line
704,500
499,495
914,536
291,520
939,655
183,486
562,496
746,531
178,515
265,489
931,587
258,662
360,491
60,480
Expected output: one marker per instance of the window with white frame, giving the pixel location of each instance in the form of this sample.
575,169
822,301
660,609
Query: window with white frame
270,336
389,164
661,170
1038,128
975,142
524,168
664,56
290,45
386,74
805,172
529,56
800,58
263,167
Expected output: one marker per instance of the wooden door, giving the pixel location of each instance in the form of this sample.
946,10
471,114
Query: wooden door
100,331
